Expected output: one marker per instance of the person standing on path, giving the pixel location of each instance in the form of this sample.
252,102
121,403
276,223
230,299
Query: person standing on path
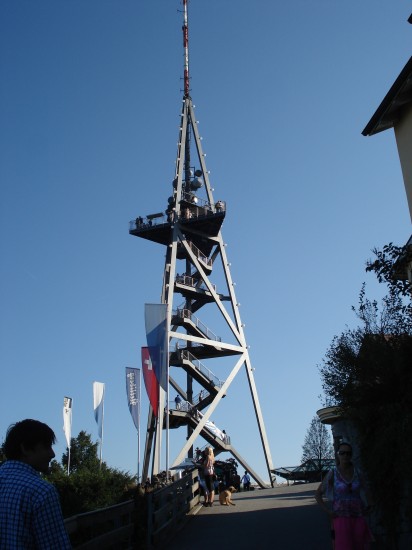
208,466
246,481
343,486
30,512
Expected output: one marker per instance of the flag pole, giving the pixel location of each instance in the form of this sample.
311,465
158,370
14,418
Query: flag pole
167,424
101,440
166,359
70,441
138,430
98,404
167,397
67,426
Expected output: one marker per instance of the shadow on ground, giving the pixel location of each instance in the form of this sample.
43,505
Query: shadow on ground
261,520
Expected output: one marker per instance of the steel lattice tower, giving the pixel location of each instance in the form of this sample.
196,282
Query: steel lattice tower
190,230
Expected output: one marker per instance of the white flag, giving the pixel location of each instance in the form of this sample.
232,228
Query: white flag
98,403
67,419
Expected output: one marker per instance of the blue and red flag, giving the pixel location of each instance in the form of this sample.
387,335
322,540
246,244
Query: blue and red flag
150,380
156,336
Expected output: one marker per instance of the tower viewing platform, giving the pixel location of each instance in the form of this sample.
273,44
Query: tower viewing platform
195,214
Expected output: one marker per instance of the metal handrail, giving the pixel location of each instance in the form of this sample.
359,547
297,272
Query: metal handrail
201,396
183,406
184,354
196,201
200,256
213,429
201,209
147,221
218,205
184,313
186,406
191,281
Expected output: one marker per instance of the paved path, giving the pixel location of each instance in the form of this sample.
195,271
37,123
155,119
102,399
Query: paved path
283,518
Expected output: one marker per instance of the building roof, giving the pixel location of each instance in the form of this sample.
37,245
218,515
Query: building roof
390,110
309,471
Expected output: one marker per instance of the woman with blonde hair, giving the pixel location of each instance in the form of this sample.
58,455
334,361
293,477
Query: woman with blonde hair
208,466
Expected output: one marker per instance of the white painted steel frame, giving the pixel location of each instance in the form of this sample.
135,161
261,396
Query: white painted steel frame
178,236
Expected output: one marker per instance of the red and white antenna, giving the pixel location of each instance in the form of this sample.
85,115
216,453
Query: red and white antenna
185,29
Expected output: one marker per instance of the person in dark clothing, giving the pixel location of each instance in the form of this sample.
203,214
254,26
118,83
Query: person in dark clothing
30,512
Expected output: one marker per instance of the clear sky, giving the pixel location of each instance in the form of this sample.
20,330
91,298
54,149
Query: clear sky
90,100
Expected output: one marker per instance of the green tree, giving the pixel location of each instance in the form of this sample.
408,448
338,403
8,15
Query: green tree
84,490
83,453
89,486
317,445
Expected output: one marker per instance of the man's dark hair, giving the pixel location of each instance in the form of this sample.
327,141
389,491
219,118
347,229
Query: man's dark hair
28,433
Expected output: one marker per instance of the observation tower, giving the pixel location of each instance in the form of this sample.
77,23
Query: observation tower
207,345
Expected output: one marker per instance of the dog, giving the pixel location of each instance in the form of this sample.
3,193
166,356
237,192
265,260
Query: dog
225,496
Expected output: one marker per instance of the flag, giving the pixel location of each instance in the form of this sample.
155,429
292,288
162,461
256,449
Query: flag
150,380
67,419
156,335
98,404
133,393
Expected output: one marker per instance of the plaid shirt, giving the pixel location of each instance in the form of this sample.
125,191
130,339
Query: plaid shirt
30,512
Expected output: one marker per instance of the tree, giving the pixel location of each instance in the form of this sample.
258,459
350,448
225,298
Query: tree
317,445
89,486
83,453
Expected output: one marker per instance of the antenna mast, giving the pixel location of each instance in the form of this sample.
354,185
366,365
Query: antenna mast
185,29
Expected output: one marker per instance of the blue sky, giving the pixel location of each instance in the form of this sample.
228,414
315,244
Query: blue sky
90,100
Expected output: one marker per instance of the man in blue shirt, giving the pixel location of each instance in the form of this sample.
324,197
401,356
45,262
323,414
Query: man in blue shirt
178,401
246,482
30,512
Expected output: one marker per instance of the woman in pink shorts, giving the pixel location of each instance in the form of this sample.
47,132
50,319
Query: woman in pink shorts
343,486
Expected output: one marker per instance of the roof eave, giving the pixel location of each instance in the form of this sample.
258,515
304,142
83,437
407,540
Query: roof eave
387,113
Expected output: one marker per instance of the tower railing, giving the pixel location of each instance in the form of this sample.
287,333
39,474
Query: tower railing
148,221
183,406
212,428
196,201
201,209
187,280
186,406
218,206
201,396
196,400
186,314
199,255
186,355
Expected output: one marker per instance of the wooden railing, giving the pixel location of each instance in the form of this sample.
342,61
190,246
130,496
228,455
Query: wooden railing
160,514
168,508
111,527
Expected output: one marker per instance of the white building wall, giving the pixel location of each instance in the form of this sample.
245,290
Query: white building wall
403,134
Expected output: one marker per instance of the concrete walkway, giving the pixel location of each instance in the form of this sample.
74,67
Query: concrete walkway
283,518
